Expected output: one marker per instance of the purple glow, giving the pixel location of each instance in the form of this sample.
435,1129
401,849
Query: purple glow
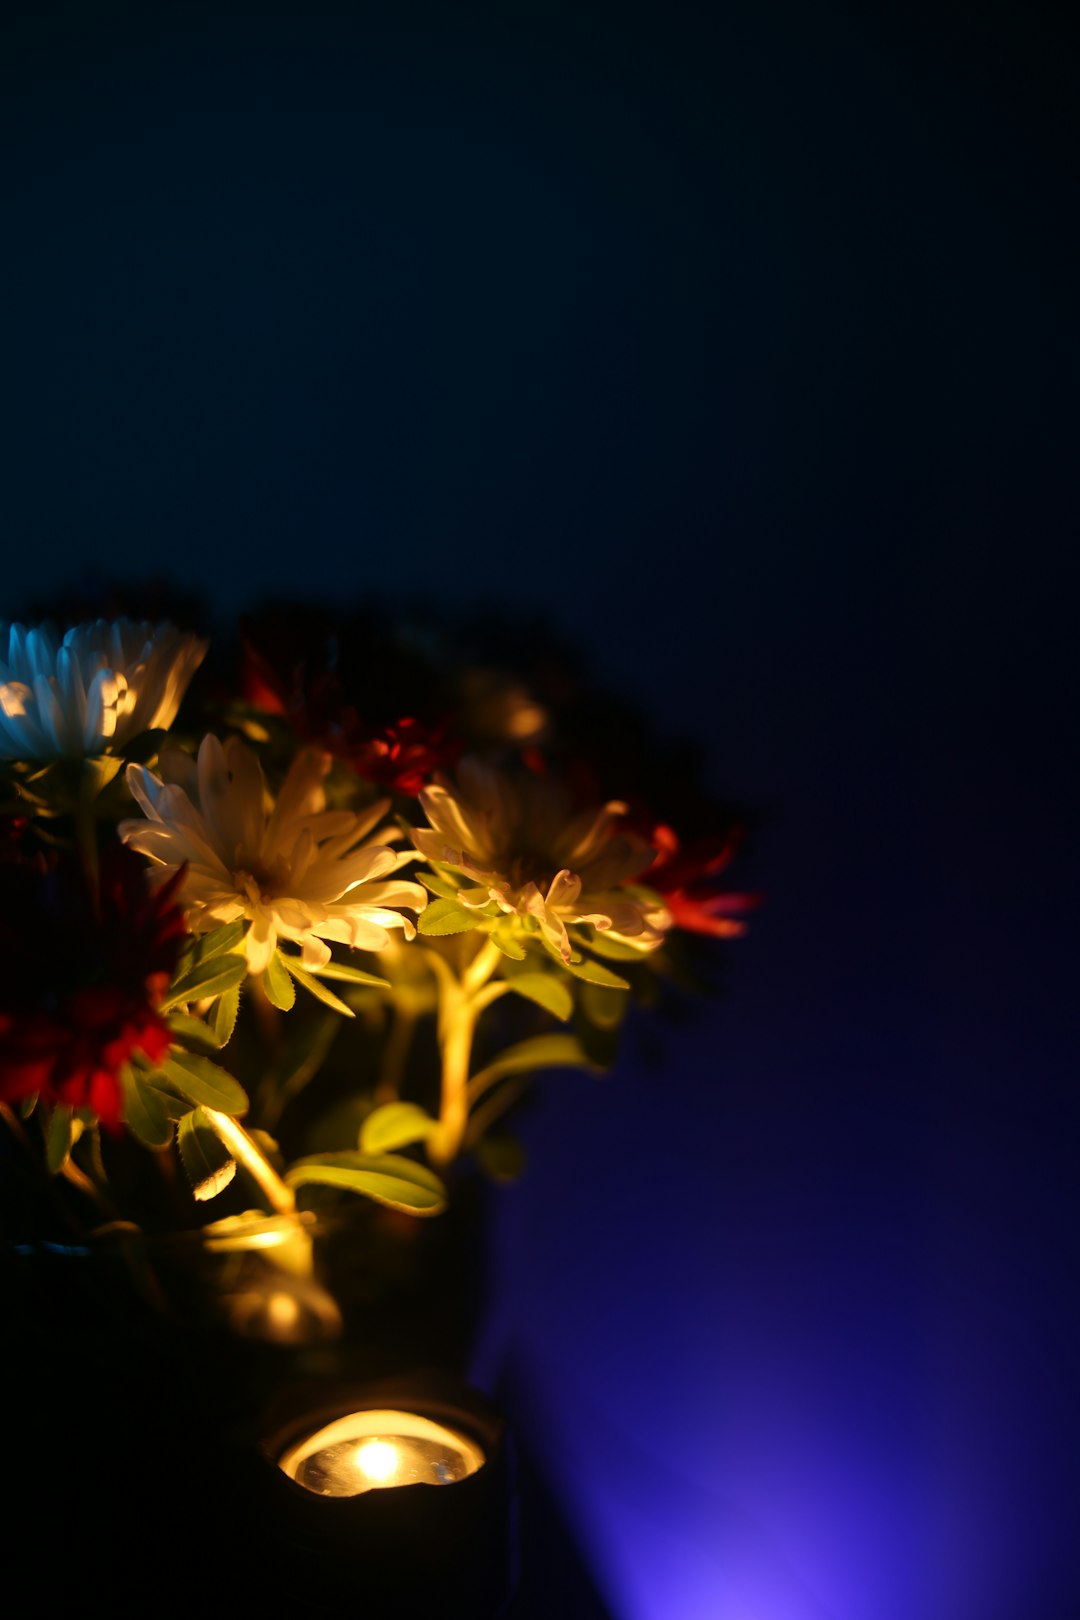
755,1379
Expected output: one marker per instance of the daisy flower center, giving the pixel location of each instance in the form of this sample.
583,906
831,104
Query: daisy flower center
262,885
528,866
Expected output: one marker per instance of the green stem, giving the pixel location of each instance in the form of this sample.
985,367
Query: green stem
78,1178
462,1003
480,969
86,831
402,1025
281,1198
35,1166
489,1111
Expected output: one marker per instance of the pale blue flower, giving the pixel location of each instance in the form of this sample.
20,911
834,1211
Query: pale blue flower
92,690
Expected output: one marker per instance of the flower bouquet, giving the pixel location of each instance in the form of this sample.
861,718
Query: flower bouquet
290,924
290,921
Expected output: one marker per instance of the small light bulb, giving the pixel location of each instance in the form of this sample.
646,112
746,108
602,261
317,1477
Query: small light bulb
377,1460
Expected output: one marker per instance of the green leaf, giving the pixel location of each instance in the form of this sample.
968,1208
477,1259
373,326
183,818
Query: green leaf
223,1015
447,917
595,973
268,1145
395,1125
59,1138
193,1033
311,984
349,975
602,1006
541,1052
215,943
145,1109
204,1082
436,884
280,990
398,1182
207,979
546,990
615,950
220,940
501,1157
98,772
504,936
208,1163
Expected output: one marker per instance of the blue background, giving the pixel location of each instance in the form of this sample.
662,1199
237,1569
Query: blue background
739,342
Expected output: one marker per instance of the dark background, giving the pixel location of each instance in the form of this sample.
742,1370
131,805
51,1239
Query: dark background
737,343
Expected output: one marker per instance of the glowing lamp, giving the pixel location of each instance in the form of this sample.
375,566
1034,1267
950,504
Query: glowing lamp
341,1498
378,1448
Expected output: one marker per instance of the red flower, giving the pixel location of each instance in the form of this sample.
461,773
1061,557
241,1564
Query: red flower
300,685
80,985
403,756
687,880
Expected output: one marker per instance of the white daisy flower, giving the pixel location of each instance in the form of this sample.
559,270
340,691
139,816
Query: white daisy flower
517,842
93,690
296,870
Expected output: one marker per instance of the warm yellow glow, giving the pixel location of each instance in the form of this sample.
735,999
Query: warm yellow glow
110,693
236,1234
294,1312
377,1460
525,721
282,1314
378,1448
13,696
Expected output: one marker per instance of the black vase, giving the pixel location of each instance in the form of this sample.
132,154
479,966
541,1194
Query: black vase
147,1378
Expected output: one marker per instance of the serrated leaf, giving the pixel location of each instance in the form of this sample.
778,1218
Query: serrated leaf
280,989
193,1033
399,1183
208,1163
207,1083
504,938
395,1125
145,1112
437,885
219,940
223,1015
207,979
541,1052
546,990
312,985
447,917
59,1137
349,975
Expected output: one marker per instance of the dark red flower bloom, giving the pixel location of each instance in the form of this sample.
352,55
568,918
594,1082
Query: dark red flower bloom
403,756
80,984
299,682
688,878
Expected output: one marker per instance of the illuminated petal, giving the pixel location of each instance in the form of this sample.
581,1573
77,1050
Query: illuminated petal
260,942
